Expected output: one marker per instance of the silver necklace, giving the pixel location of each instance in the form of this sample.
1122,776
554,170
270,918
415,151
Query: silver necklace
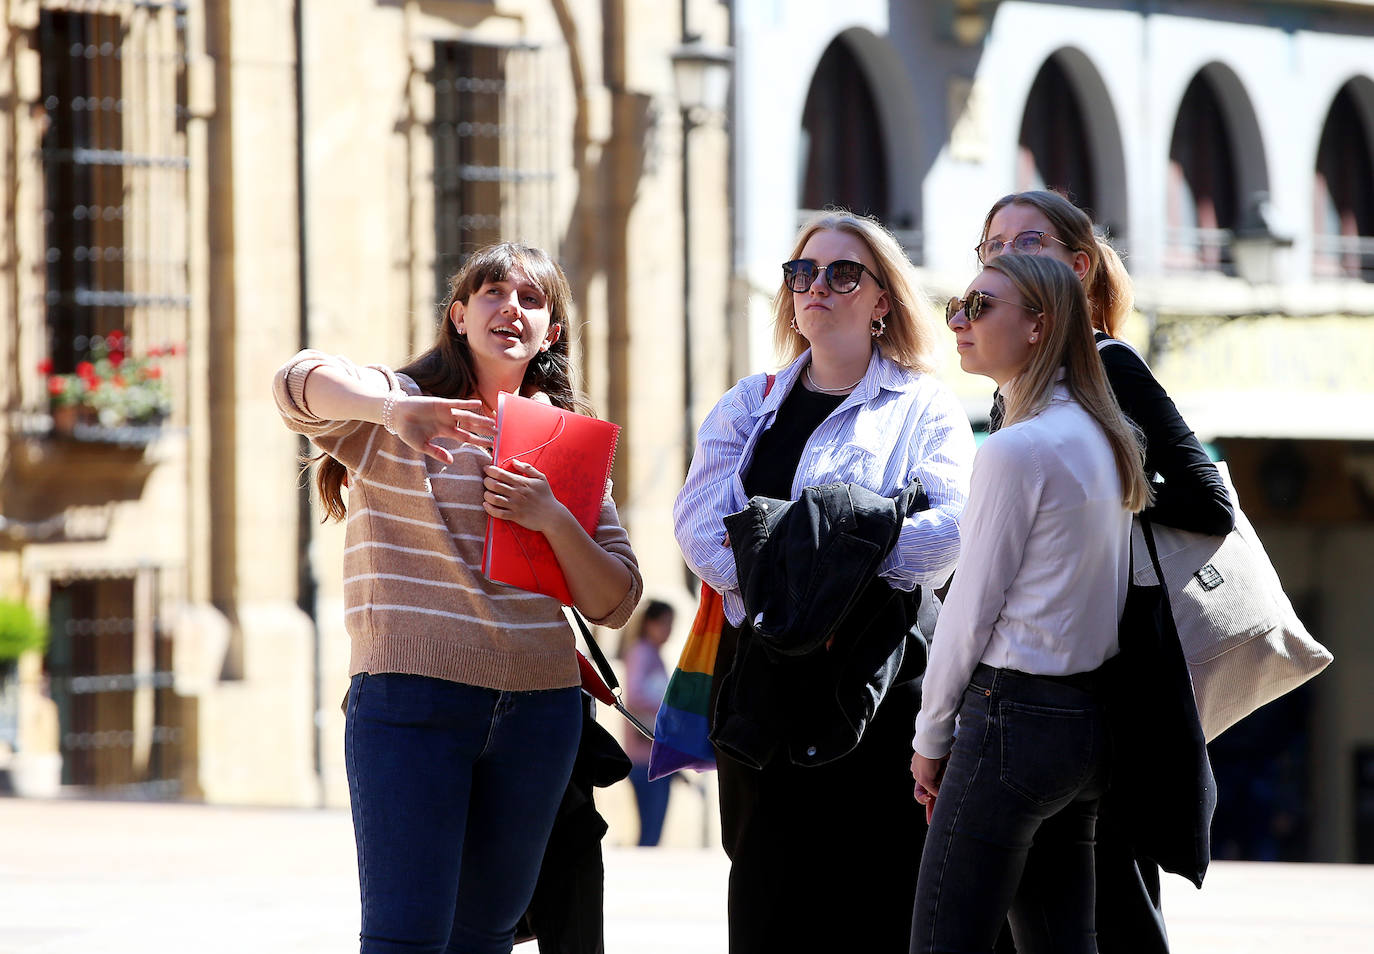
812,381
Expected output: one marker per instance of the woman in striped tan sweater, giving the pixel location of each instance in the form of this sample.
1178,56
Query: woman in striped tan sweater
463,713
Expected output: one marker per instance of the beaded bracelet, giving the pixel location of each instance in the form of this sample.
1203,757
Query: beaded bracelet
388,408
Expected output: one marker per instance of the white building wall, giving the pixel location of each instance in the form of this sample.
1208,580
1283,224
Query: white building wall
960,142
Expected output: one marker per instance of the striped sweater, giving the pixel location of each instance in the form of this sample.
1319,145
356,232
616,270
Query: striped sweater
415,598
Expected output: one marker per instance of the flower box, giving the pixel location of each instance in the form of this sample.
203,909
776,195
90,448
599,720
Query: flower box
110,391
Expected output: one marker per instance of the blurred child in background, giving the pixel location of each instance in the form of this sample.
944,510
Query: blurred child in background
646,678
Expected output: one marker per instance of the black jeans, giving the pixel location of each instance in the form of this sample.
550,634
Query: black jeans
824,859
1013,829
1130,919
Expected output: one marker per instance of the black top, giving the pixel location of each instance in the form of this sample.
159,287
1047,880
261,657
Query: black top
779,449
1189,493
1192,495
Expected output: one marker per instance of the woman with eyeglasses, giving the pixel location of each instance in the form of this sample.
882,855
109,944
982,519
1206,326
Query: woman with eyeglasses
1188,493
812,846
1028,622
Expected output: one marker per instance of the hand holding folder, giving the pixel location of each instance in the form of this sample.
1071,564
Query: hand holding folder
574,453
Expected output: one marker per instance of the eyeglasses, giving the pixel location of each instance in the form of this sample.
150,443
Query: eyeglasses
842,276
973,304
1029,242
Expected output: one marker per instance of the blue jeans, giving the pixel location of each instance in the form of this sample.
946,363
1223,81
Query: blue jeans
1013,828
652,800
454,789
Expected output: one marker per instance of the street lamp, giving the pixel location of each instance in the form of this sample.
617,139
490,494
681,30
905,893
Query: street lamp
1255,242
701,78
701,75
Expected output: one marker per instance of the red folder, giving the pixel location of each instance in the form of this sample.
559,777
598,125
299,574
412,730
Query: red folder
575,453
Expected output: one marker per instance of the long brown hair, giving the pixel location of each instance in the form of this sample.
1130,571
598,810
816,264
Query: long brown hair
1110,295
447,370
912,338
1051,288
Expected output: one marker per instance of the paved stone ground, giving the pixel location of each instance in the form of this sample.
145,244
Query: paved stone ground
79,877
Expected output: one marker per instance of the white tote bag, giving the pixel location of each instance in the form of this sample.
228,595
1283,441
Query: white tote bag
1244,643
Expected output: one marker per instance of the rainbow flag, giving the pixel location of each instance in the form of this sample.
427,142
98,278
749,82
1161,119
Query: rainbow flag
684,717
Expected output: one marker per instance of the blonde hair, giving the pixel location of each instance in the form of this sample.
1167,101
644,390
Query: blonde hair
911,338
1051,288
1110,295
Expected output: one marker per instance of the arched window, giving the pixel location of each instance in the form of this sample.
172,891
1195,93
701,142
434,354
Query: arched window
1343,243
1203,198
1054,152
843,149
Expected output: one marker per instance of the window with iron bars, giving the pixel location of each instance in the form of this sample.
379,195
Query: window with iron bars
493,179
114,168
109,666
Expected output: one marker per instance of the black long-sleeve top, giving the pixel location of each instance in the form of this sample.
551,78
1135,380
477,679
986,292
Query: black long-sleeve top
1189,493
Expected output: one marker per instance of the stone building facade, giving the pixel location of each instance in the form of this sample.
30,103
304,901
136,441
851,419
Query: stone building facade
225,183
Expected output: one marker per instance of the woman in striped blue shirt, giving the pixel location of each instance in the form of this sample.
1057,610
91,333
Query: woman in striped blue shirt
854,403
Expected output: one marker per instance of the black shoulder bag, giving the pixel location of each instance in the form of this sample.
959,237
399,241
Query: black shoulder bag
1162,785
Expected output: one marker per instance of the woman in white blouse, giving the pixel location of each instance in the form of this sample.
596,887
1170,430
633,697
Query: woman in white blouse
811,845
1030,618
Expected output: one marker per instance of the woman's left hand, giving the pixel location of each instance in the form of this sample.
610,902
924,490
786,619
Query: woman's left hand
521,494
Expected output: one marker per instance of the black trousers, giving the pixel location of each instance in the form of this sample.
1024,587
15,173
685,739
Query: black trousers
1129,917
825,859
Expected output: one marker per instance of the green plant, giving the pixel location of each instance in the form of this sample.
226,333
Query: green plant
113,387
20,630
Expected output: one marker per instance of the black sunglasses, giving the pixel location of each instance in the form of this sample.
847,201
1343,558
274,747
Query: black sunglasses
842,276
1029,242
973,304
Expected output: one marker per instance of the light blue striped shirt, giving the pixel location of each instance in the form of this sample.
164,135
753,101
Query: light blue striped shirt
895,426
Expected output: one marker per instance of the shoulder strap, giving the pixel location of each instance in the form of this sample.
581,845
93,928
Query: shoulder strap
1104,343
1149,535
768,385
608,675
602,664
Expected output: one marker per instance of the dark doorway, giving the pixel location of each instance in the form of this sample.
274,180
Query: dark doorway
844,149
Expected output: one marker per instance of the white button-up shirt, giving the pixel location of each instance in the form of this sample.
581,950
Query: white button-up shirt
894,426
1042,580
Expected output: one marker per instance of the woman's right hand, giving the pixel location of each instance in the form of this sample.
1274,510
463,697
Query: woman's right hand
421,422
928,774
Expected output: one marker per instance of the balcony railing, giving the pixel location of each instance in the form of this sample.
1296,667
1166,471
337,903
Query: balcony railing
1199,250
1343,256
912,239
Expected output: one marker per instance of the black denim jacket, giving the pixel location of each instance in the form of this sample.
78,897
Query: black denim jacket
824,638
